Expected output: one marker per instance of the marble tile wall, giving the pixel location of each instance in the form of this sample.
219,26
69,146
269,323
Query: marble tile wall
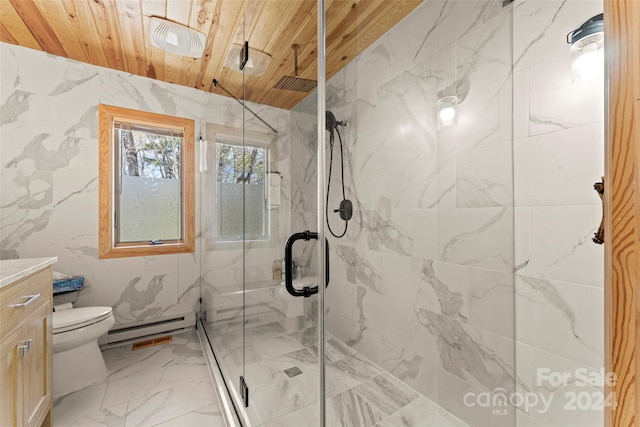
428,257
423,284
49,174
225,265
558,156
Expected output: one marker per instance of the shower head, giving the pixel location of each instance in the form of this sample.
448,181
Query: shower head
295,82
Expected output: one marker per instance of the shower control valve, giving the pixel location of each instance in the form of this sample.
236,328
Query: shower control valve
345,209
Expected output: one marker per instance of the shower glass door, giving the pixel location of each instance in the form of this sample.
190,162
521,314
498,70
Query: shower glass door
224,181
280,363
419,316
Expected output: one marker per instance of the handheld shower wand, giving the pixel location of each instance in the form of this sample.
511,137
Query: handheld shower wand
346,207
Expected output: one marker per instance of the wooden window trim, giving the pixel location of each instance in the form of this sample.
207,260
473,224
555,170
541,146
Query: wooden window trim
106,238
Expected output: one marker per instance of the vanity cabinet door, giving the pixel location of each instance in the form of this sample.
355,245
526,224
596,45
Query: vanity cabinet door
36,369
10,406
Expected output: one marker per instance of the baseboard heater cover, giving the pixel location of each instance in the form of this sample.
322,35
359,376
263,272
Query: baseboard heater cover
149,327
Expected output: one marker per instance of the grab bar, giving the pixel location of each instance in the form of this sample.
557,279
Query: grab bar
288,261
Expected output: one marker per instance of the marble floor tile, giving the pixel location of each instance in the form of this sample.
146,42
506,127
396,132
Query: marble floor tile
447,419
150,382
386,394
264,372
274,345
419,413
187,349
111,417
268,329
309,382
334,350
170,403
276,399
227,340
307,417
353,370
337,350
296,324
210,416
358,393
348,409
82,402
139,361
307,337
168,385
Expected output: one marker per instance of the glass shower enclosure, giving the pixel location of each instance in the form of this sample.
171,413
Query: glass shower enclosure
401,163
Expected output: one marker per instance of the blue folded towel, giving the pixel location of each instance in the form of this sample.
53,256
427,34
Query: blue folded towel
68,285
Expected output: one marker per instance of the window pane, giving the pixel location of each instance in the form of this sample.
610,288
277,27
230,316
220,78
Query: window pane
240,169
150,191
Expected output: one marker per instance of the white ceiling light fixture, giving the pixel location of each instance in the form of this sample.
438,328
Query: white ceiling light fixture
176,38
256,64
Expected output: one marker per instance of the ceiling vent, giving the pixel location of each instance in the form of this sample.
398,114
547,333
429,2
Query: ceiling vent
176,38
256,65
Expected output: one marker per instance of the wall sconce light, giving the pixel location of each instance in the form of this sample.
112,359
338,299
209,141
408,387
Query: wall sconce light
587,50
447,111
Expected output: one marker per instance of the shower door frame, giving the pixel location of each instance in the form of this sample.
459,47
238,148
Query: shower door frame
321,108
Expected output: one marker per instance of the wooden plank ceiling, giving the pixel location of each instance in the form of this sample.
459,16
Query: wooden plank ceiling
115,34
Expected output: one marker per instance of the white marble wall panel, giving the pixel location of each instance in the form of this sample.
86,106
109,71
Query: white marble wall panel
522,236
478,237
556,103
563,410
491,301
558,155
573,312
520,104
427,204
458,207
485,177
559,168
541,28
561,246
49,173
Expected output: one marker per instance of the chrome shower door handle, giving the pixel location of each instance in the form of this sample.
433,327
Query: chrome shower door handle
288,261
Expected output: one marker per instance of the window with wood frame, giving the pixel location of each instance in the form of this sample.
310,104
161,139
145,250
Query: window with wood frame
146,183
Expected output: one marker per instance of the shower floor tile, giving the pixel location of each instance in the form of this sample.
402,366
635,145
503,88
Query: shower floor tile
166,385
358,393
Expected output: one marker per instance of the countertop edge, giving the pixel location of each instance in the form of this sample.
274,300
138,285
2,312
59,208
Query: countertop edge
15,269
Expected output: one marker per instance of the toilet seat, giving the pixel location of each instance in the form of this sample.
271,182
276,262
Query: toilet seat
76,318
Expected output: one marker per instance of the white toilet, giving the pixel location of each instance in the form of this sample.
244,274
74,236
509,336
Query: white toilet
77,360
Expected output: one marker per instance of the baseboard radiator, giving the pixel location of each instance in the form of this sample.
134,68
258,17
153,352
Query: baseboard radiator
148,328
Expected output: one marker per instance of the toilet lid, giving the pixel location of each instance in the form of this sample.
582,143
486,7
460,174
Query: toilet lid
78,317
